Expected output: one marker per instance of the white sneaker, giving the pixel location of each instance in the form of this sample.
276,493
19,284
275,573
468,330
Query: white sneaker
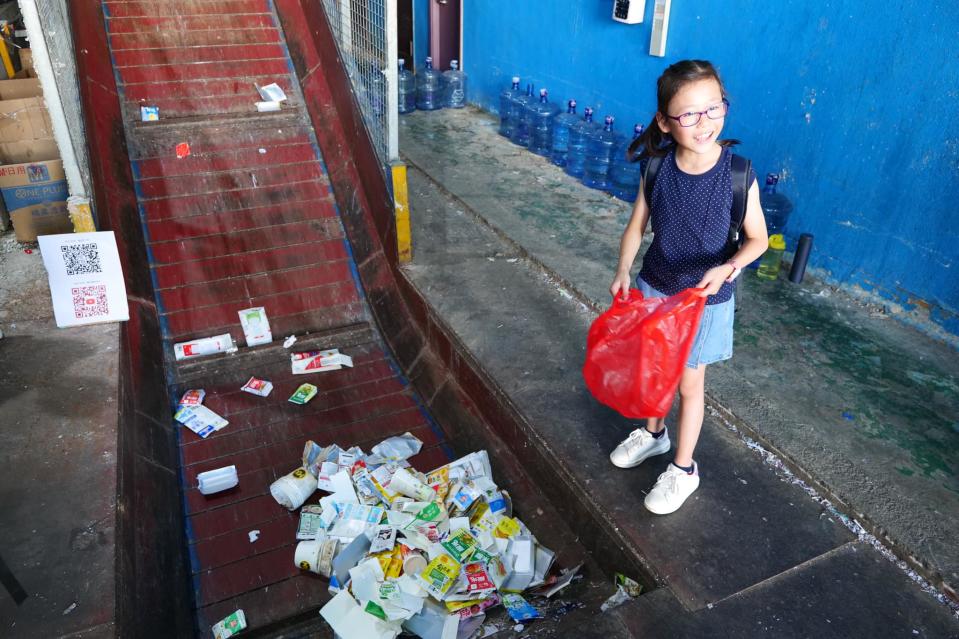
638,447
671,490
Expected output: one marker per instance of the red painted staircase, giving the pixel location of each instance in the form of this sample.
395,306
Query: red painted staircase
247,219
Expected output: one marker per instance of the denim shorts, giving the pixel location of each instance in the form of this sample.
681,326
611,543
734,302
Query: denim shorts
714,339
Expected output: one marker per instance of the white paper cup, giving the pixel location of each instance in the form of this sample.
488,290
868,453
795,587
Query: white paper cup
405,483
291,491
315,556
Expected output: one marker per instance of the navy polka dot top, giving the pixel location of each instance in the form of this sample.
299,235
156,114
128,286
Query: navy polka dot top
690,217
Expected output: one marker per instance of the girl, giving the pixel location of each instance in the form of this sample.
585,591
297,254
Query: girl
690,210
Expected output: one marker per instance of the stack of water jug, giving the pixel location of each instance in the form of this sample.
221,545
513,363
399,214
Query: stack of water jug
588,150
429,89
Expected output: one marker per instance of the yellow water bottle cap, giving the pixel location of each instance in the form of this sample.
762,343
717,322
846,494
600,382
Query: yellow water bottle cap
777,242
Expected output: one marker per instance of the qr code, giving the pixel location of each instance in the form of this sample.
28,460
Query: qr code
81,259
90,301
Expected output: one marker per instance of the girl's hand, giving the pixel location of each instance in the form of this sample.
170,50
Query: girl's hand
714,279
620,286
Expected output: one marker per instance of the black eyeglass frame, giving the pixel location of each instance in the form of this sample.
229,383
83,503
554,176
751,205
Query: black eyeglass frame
679,117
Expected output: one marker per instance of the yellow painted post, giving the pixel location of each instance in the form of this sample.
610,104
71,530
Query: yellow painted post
404,242
5,53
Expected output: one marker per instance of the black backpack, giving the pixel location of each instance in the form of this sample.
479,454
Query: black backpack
740,176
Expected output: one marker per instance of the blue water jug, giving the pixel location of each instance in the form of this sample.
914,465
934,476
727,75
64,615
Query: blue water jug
521,123
506,115
625,176
406,87
428,92
560,141
454,87
576,149
541,124
599,155
776,206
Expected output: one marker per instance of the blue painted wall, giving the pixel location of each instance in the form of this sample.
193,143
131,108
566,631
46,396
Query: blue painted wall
853,102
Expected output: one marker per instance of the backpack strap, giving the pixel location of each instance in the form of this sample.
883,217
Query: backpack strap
740,169
649,175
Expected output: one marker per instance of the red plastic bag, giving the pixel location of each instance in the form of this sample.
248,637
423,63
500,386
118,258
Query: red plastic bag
636,351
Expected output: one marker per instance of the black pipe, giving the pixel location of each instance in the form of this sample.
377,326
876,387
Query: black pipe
799,260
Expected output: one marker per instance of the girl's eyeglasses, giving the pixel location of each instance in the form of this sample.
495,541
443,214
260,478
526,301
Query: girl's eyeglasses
692,118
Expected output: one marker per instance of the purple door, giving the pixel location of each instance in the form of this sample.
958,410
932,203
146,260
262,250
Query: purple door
444,32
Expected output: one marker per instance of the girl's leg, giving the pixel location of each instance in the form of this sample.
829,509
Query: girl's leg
655,424
692,406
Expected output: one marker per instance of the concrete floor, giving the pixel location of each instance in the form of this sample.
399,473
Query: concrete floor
864,406
58,401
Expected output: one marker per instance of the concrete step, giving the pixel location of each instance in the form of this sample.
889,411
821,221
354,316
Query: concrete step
744,527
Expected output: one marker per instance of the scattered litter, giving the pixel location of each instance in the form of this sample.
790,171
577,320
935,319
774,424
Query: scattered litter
617,599
229,626
28,251
200,419
204,346
519,628
427,554
271,92
253,180
259,387
182,150
262,151
319,361
848,416
254,535
303,394
290,340
513,260
292,490
193,397
268,106
214,481
311,522
256,326
70,608
632,588
149,113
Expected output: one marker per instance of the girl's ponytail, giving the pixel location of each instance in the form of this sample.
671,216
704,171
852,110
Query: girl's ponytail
652,142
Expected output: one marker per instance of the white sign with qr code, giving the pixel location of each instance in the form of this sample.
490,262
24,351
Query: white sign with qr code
86,280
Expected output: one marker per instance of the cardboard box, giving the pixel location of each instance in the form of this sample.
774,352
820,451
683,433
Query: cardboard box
28,151
26,60
17,89
24,119
35,196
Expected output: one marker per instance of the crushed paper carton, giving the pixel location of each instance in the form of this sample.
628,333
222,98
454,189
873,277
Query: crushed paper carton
319,361
229,626
259,387
256,326
204,346
304,394
193,397
200,419
35,196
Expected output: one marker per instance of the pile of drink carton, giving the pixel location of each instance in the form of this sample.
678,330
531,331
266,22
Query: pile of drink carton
32,181
428,554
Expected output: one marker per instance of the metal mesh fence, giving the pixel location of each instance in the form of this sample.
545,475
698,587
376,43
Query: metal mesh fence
365,32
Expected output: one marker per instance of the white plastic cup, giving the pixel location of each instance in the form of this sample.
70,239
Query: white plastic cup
213,481
405,483
291,491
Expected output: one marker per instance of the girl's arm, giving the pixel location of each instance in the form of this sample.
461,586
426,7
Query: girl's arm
629,245
755,244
